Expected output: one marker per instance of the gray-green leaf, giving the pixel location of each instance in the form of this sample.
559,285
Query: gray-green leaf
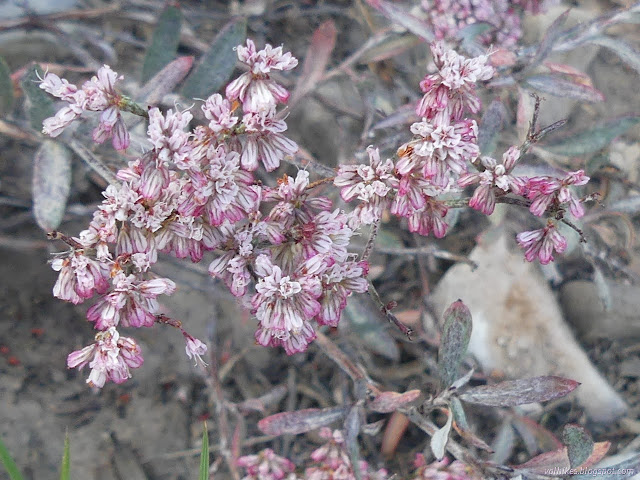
454,342
164,42
6,88
216,66
40,103
51,184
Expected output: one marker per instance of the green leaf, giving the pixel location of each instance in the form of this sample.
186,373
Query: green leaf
593,139
579,444
65,467
9,465
6,88
51,184
164,42
204,454
216,66
40,103
454,342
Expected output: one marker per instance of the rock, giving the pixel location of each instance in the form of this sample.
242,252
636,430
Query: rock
584,310
518,328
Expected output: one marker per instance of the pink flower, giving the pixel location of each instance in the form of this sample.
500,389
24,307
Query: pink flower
429,219
194,348
109,358
167,135
255,89
541,243
266,465
263,141
547,191
442,470
219,113
494,175
285,303
371,184
80,277
451,91
338,282
131,302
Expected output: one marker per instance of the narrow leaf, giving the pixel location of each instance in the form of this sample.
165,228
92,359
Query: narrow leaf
490,126
519,392
454,342
165,81
403,18
204,454
315,62
300,421
9,465
65,467
592,140
388,402
392,46
561,86
550,37
602,287
6,88
217,64
40,103
554,461
441,437
164,42
51,184
626,52
579,444
352,424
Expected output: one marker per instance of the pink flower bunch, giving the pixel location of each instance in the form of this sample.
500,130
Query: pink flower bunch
442,470
443,145
194,192
334,462
495,177
97,95
449,17
266,465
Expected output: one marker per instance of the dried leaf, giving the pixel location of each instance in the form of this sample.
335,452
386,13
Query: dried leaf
545,440
626,52
454,342
51,184
388,402
441,437
490,126
579,444
403,18
216,66
561,86
6,88
519,392
164,42
543,464
593,139
300,421
40,103
165,81
315,62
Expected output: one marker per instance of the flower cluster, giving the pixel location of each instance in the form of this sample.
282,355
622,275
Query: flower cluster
442,470
192,192
282,248
96,95
266,465
449,17
444,144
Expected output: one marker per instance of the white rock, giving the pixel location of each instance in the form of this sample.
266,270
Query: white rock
518,327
